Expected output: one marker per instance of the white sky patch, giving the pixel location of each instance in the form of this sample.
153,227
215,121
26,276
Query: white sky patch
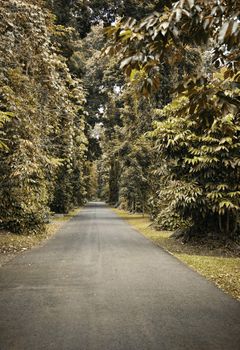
117,89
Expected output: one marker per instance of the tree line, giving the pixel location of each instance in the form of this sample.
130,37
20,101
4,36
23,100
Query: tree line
137,98
44,141
47,147
176,147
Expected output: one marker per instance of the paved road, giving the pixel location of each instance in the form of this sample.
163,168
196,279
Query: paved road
100,285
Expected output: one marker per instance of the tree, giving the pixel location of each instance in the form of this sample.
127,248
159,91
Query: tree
166,36
45,103
82,14
200,124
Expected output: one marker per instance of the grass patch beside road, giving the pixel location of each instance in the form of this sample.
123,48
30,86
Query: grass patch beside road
217,263
12,244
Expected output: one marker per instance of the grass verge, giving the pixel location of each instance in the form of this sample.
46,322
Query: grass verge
12,244
217,263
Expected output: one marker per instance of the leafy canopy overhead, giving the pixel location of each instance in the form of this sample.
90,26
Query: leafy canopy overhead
164,37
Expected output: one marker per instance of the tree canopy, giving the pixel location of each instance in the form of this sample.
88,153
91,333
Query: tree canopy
195,138
137,98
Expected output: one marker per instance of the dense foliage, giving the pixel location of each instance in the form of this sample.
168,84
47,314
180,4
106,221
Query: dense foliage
42,107
194,177
145,116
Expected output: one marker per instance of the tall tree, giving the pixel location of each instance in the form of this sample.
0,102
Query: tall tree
205,116
45,104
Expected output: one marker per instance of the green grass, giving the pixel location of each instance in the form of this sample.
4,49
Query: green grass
66,217
218,264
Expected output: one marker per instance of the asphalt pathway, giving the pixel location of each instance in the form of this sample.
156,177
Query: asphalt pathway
100,285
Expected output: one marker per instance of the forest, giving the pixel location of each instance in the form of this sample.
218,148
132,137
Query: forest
135,103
